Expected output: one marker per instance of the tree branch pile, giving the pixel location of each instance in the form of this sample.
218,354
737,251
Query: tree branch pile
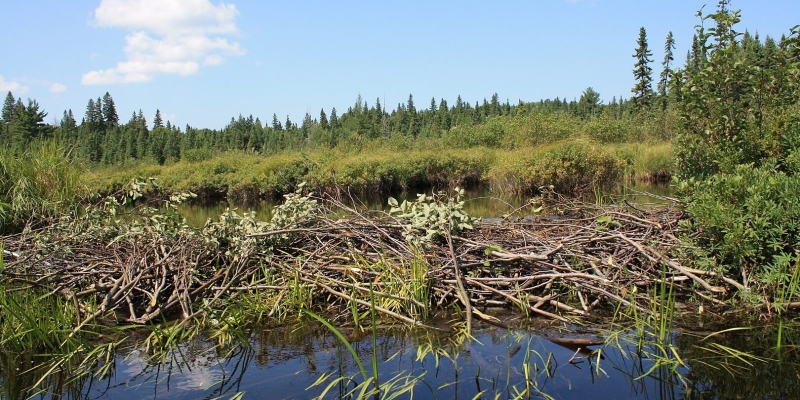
329,255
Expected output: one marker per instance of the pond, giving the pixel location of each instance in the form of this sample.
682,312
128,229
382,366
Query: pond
481,201
306,362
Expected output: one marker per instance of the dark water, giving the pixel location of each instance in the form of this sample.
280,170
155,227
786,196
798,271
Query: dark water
285,363
479,202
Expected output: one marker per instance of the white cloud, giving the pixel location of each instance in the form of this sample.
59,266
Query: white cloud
57,88
11,86
173,37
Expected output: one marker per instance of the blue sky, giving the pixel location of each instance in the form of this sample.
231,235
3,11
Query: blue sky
202,62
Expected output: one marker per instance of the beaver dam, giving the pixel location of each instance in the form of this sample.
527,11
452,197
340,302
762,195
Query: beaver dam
109,267
324,254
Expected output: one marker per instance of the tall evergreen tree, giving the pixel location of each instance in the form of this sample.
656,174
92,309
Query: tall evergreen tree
110,116
698,53
276,124
323,120
666,70
334,119
92,118
69,128
142,135
8,108
642,72
378,120
27,124
494,108
157,121
98,115
306,126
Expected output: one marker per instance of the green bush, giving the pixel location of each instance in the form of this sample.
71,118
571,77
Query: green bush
197,155
571,168
748,222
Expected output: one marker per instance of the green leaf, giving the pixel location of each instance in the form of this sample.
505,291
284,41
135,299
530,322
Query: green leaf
604,219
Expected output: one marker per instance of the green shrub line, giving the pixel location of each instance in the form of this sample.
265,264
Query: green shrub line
571,166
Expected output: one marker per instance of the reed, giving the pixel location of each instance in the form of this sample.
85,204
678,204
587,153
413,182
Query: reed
40,183
41,351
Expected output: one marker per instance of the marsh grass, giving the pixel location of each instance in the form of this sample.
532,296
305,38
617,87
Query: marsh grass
571,164
41,182
647,162
648,339
370,384
41,352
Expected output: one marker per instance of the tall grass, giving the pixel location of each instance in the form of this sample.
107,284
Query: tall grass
40,350
39,183
572,166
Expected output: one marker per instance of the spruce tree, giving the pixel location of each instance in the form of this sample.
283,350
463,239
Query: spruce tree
98,115
377,119
141,119
411,111
69,128
444,115
666,71
288,126
334,119
276,124
157,121
495,106
698,54
323,120
28,124
8,108
110,116
642,72
90,118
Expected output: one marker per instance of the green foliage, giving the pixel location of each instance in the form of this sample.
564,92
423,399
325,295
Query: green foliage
431,217
749,223
642,72
735,111
570,167
40,350
39,183
737,152
297,210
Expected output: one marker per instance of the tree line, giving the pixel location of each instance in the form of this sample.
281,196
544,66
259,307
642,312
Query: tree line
99,137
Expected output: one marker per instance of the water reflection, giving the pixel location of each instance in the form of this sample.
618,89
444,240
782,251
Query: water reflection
285,363
481,201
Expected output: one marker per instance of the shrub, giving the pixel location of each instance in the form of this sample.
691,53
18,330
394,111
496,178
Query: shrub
570,167
748,222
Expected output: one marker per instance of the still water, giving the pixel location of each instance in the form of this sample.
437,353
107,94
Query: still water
285,363
480,201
